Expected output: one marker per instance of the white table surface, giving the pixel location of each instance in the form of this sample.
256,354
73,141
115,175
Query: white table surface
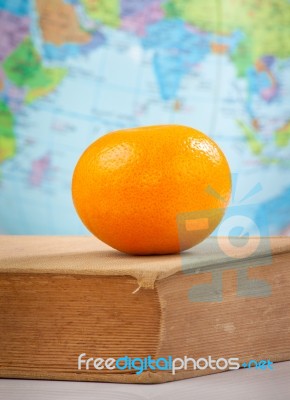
243,384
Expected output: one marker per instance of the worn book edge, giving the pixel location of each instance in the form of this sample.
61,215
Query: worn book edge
86,255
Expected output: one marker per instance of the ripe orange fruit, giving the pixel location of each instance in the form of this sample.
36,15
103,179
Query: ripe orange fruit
152,190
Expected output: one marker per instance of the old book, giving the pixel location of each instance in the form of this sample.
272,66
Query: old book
62,297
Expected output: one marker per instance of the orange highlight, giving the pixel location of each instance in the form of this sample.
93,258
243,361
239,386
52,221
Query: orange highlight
260,66
219,48
255,124
177,105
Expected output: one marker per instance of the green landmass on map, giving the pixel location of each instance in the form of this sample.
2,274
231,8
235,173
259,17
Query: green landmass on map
251,138
7,136
282,136
242,58
53,77
107,12
24,68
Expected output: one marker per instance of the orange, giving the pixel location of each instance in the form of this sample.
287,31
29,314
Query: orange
152,190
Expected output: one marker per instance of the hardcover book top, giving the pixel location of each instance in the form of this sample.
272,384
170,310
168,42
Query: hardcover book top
87,255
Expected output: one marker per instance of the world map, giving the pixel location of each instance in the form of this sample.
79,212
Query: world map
73,70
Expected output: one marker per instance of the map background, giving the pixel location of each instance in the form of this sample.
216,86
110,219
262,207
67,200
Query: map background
105,68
